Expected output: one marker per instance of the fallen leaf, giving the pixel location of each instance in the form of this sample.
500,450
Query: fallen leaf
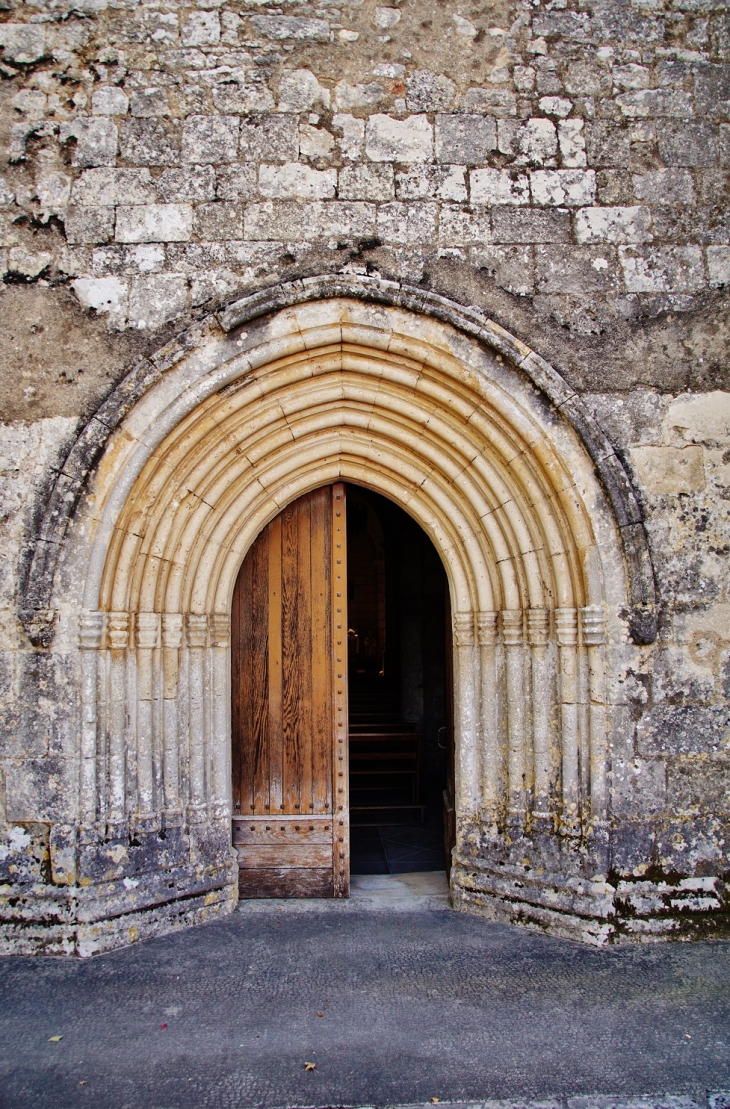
83,1082
320,1014
435,1100
163,1026
55,1039
310,1066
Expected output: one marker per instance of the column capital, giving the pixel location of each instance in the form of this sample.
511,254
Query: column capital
512,627
593,625
538,626
196,630
91,630
117,624
147,630
463,629
220,629
487,628
566,626
172,629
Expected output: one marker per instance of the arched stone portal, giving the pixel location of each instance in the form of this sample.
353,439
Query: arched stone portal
239,421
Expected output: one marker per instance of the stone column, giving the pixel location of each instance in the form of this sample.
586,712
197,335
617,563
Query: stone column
512,633
172,635
593,623
118,637
147,641
566,627
196,634
220,734
91,627
538,629
491,769
465,715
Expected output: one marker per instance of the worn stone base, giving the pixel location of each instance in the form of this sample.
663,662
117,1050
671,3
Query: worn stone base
593,911
93,938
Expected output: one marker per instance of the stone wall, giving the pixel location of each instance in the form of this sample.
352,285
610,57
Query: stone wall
563,166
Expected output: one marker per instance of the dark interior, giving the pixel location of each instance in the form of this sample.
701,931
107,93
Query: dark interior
399,690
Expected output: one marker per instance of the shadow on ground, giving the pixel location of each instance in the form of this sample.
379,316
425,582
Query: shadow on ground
391,1006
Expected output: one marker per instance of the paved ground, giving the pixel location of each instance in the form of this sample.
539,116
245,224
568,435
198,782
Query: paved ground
415,1004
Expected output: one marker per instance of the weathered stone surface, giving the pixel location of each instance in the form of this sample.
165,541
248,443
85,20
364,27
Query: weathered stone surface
210,139
663,269
393,140
464,139
270,138
296,180
368,182
670,469
153,223
494,186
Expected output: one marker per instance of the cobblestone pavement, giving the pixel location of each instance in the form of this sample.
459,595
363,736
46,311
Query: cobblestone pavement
392,1007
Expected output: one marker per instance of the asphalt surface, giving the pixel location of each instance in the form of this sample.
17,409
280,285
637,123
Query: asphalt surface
391,1007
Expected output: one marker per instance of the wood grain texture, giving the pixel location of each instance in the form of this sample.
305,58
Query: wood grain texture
289,677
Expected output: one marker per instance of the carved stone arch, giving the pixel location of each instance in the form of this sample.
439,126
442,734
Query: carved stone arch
481,442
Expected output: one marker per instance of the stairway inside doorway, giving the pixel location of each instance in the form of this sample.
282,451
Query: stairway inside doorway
396,826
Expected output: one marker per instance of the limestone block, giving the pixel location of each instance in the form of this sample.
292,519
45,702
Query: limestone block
352,131
96,138
571,26
669,469
220,220
698,784
235,181
393,140
154,223
688,143
572,143
139,258
511,267
575,269
524,78
631,76
496,186
588,78
530,225
500,103
151,142
414,222
110,186
665,186
315,142
186,183
219,283
210,139
300,91
613,225
279,221
297,180
149,102
649,103
563,187
155,299
53,191
22,43
282,27
87,224
349,97
385,18
107,295
109,101
684,730
464,139
270,138
606,144
667,269
464,227
556,106
28,263
718,265
339,219
429,92
712,91
535,141
201,29
366,182
699,418
432,182
241,96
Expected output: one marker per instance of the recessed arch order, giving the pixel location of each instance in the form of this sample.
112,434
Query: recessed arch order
429,404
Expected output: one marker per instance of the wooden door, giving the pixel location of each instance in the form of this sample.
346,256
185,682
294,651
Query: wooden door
289,686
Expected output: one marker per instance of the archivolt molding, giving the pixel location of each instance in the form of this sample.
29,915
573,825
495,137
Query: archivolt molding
507,510
244,423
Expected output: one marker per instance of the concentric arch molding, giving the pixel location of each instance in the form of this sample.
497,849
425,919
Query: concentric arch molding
36,592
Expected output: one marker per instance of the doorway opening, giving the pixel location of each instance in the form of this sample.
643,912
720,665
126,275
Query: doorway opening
400,692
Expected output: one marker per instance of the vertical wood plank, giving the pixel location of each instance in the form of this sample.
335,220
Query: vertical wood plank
275,667
321,743
257,669
338,647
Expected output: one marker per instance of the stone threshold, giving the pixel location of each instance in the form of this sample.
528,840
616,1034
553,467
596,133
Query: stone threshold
709,1099
423,891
